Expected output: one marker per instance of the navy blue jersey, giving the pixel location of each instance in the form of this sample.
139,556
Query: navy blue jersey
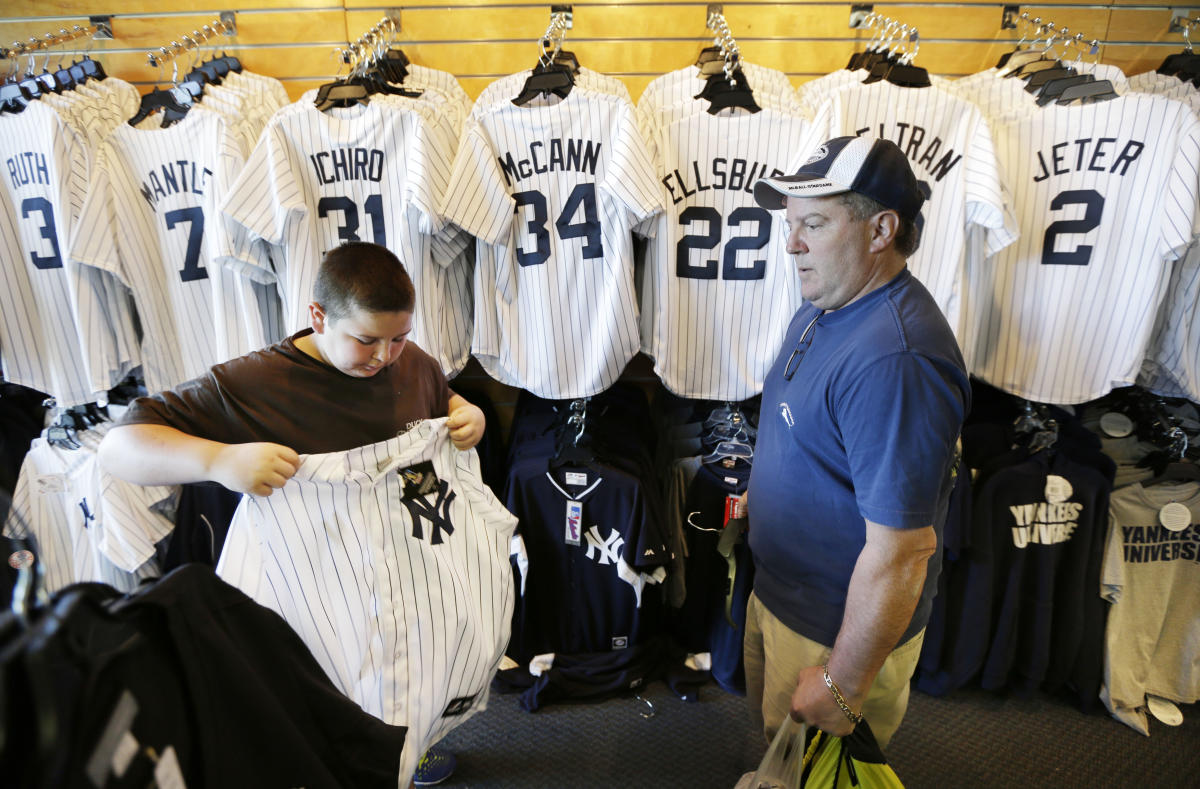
592,571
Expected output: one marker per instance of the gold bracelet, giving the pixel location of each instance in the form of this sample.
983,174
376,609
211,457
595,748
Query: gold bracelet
855,717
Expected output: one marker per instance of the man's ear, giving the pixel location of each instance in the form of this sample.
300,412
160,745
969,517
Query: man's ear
884,227
317,318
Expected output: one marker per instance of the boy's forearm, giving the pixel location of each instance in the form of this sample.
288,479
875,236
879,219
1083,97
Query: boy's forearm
157,455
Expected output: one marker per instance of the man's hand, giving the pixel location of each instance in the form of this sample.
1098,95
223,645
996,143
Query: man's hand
814,704
257,468
465,423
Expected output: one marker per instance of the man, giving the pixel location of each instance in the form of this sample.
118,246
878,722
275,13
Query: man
856,450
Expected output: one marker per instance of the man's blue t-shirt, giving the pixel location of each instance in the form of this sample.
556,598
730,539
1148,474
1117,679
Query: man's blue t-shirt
865,428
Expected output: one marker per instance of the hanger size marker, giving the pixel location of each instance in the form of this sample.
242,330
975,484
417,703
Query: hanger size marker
229,20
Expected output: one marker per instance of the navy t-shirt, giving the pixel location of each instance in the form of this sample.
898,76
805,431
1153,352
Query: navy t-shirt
864,429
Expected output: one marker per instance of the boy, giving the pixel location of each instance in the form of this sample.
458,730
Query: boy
350,380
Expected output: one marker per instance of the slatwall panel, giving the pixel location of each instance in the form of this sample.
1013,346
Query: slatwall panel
480,40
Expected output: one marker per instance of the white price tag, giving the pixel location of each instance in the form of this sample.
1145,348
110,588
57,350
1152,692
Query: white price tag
1175,517
576,478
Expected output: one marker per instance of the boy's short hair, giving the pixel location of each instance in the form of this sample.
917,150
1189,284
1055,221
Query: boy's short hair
365,276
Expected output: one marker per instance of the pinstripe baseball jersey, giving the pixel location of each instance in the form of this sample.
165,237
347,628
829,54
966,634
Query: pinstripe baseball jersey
561,186
1172,364
316,180
45,315
151,219
1167,86
503,90
949,147
87,525
391,563
1106,195
722,277
1001,98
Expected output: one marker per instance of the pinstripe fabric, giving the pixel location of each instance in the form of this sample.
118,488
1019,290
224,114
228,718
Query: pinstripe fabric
1106,197
949,146
564,295
296,196
151,219
87,525
1172,364
403,615
47,309
1002,99
722,279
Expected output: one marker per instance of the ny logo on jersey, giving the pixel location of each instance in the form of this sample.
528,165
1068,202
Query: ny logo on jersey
438,514
88,517
609,550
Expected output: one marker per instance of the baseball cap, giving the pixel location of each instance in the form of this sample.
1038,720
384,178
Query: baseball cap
872,167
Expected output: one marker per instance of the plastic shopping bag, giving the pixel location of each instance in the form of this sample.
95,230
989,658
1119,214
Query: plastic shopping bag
780,768
855,760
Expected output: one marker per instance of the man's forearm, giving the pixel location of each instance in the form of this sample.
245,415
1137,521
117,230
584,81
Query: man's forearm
157,455
883,594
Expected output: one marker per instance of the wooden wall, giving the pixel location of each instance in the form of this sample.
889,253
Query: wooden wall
480,40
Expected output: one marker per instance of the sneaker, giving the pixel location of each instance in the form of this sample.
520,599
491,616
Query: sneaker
435,766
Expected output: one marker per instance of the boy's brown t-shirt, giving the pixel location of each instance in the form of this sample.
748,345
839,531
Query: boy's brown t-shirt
282,395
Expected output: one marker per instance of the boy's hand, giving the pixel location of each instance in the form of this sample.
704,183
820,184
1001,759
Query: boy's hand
465,424
257,468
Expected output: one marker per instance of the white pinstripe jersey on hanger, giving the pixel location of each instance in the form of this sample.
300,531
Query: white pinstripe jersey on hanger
1172,364
561,186
949,147
405,602
1106,195
151,219
87,525
48,308
721,275
370,173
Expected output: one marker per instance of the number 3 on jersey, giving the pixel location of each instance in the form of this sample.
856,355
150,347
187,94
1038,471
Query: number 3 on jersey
729,267
1094,210
583,195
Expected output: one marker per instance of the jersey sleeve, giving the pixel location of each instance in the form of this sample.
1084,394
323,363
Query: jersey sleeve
266,197
630,177
1181,204
99,286
477,199
899,421
986,197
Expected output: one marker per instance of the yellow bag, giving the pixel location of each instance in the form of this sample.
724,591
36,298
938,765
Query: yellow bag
855,760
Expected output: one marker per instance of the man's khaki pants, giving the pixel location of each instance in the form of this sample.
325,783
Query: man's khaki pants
775,655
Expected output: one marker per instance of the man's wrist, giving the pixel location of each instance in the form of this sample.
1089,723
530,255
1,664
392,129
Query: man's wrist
836,692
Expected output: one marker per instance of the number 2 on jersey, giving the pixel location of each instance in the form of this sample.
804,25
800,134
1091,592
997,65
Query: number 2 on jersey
583,195
729,267
1082,254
